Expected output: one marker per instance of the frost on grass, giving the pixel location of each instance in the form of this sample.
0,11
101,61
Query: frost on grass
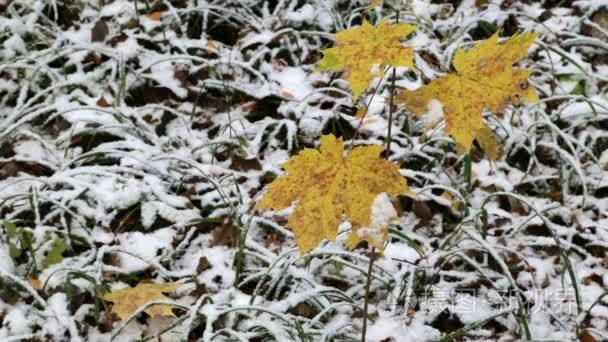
141,142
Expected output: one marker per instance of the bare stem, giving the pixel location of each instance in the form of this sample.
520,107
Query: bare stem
366,299
390,115
467,171
356,134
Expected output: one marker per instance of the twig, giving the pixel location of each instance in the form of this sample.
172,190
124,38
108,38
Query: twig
366,299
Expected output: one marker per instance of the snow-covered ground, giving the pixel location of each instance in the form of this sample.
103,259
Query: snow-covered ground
140,133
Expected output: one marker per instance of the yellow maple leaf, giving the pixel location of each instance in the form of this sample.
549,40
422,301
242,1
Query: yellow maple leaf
484,79
329,185
374,4
359,49
487,142
128,300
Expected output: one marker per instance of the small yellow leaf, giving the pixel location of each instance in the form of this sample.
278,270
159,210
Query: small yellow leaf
447,195
126,301
454,205
361,48
374,4
487,141
484,79
328,185
361,112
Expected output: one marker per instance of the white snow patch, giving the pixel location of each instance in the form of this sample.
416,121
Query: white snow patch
304,15
388,325
6,262
16,321
293,81
128,48
383,213
145,246
13,45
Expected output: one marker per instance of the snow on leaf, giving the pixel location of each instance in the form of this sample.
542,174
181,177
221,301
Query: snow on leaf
329,185
362,47
376,234
126,301
484,79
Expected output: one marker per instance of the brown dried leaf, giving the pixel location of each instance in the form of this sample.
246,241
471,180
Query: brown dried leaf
100,31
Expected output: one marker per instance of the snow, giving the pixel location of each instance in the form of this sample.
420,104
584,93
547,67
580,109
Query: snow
79,36
304,15
163,72
434,114
6,262
400,252
62,321
16,322
293,81
117,8
139,248
382,214
13,45
220,275
389,326
128,48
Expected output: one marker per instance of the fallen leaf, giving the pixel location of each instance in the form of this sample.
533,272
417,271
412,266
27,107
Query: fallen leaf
212,45
102,102
484,79
423,211
329,185
239,163
117,39
273,242
182,76
287,94
100,31
203,264
155,15
126,301
361,112
248,106
36,283
586,336
359,49
224,235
